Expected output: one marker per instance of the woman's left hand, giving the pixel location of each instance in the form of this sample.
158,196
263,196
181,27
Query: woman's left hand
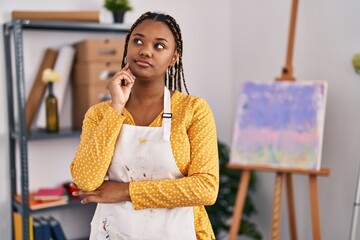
108,192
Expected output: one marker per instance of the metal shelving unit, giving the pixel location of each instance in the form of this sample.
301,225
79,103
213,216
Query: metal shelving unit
16,90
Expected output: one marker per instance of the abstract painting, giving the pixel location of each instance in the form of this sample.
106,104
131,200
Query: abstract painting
279,124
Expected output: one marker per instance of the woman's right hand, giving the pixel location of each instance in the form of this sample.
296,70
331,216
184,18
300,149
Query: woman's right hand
120,93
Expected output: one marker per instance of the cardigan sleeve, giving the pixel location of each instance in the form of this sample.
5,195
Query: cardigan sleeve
101,127
200,186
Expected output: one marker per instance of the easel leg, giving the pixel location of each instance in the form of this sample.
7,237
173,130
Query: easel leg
239,204
276,214
291,206
355,213
314,202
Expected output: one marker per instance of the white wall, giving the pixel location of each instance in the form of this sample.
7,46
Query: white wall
327,37
227,44
207,56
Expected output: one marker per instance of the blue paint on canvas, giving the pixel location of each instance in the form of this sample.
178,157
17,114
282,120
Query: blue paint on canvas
279,105
280,124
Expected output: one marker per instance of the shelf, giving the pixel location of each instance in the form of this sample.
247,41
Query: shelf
70,204
69,26
41,134
16,103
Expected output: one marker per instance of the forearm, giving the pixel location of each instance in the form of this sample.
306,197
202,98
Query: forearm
95,150
108,192
197,190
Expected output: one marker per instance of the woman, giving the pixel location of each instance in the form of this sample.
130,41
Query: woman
155,146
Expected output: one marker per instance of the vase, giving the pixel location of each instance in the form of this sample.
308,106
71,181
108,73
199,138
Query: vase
119,16
52,116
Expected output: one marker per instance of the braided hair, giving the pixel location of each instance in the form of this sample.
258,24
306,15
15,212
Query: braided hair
175,74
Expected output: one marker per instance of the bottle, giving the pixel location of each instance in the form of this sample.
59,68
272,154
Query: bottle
52,117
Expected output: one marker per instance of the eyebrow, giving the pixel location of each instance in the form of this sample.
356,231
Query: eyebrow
158,38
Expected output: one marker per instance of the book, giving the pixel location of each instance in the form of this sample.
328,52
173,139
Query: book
38,88
18,233
75,16
37,229
45,228
57,232
48,194
36,204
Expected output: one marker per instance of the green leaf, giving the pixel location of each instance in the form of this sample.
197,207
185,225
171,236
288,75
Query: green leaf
117,5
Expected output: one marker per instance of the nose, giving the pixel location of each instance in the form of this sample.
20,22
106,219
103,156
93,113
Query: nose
146,51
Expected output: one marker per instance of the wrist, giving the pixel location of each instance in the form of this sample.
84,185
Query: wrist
127,192
119,107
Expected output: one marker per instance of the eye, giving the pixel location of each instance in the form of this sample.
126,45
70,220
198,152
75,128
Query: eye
137,41
159,46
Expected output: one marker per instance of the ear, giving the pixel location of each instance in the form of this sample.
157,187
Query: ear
174,58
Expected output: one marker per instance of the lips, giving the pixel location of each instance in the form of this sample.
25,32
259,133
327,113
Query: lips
143,63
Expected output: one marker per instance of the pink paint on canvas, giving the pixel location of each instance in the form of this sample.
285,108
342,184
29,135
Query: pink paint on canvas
280,124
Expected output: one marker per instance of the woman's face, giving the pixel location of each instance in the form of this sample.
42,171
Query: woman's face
151,50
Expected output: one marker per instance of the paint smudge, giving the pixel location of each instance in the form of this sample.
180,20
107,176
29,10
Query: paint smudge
280,124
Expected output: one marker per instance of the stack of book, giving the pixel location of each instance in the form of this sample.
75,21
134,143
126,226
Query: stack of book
47,228
46,197
41,228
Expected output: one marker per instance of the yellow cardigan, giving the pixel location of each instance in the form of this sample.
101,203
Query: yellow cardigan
194,146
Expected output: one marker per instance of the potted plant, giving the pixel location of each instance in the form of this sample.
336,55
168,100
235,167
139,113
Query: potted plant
118,8
221,212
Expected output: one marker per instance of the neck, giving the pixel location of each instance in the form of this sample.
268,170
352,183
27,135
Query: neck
147,92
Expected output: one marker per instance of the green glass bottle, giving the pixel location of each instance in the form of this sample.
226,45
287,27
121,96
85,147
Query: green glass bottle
52,117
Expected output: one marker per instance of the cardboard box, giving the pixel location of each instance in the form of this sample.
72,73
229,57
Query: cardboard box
83,98
94,73
100,50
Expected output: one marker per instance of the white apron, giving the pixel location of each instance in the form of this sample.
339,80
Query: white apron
143,153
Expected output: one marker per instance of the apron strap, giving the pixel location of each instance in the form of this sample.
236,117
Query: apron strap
166,116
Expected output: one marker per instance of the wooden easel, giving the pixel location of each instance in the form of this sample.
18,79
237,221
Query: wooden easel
276,211
281,173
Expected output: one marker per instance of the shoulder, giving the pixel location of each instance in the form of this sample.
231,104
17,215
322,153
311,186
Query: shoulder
191,101
98,110
190,105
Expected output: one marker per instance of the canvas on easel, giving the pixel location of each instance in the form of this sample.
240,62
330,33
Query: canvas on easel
292,139
279,124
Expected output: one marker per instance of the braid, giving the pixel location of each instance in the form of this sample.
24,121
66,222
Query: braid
139,20
175,78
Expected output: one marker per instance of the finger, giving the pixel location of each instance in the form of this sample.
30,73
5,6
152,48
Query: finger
82,193
120,75
127,80
129,75
89,199
123,79
73,185
126,67
76,193
129,71
84,201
